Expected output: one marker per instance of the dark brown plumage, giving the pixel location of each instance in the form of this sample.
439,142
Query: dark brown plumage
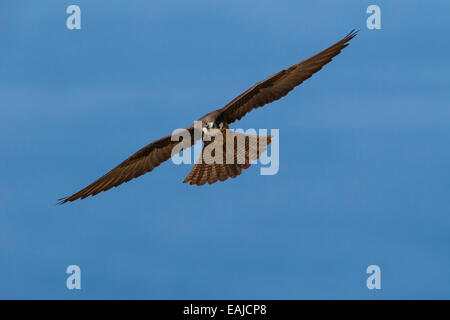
279,84
264,92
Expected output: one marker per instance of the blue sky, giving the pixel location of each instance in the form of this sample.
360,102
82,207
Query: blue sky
364,160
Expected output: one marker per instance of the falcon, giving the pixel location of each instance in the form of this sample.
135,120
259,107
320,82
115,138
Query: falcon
213,123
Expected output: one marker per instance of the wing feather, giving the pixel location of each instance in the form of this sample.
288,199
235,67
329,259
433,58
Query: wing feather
141,162
281,83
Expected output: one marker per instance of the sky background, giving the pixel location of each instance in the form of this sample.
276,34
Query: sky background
364,151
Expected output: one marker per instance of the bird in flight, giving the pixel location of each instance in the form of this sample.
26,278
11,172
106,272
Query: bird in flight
262,93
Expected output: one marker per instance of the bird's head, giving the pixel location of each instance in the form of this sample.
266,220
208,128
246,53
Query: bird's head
211,127
211,123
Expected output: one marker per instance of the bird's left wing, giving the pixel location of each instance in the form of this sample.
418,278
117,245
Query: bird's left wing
143,161
279,84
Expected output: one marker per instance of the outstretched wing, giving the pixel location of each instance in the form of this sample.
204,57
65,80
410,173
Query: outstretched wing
143,161
279,84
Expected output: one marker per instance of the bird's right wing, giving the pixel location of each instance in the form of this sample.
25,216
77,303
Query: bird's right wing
281,83
143,161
